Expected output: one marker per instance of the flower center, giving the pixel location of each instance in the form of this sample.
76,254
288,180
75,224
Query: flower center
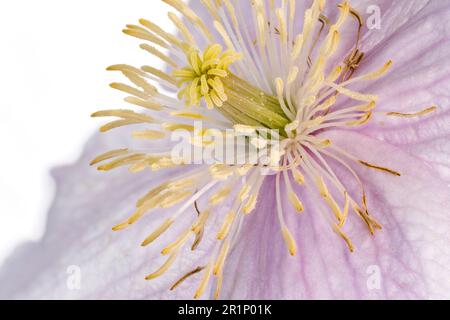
283,77
208,77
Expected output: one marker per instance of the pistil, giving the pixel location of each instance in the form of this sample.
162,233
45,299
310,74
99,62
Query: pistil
208,78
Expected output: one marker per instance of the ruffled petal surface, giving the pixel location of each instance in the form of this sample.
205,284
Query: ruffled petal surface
78,234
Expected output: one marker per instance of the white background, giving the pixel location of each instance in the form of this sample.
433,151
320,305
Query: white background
53,56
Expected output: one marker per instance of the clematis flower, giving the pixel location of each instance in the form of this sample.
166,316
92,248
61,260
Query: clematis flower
354,204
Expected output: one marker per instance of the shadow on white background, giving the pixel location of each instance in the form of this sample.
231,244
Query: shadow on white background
53,56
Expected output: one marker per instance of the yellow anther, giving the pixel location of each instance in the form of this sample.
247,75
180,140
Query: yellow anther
378,73
148,134
164,163
298,45
201,221
367,107
347,240
223,232
345,211
177,126
282,25
173,198
218,287
372,166
221,171
295,202
354,95
361,121
177,243
127,160
204,282
289,239
323,190
243,193
251,203
220,196
298,176
292,75
221,258
414,114
139,213
332,77
164,267
120,226
109,155
187,114
329,198
155,234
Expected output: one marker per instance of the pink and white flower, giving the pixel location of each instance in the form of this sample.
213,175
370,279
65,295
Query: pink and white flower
356,206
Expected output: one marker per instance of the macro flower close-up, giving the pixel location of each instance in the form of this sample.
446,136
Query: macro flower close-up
278,150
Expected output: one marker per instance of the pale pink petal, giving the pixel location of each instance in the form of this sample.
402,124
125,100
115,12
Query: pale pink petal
78,233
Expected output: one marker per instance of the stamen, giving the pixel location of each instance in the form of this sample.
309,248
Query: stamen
191,16
347,240
413,115
221,259
173,198
183,29
160,74
201,221
141,33
295,201
155,234
361,121
121,162
329,199
198,239
187,275
177,126
395,173
148,134
353,94
229,218
297,47
219,286
220,196
198,235
130,90
204,281
164,267
161,33
144,103
345,211
155,52
289,239
251,203
298,176
108,155
177,243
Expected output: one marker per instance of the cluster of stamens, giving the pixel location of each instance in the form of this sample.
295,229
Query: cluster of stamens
280,80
